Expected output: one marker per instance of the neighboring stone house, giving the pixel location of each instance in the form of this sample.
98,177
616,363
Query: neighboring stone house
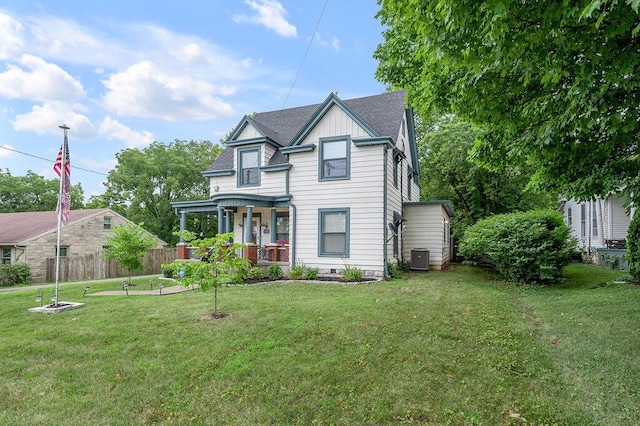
31,237
328,185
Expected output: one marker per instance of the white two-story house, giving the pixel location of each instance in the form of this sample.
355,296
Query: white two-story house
326,185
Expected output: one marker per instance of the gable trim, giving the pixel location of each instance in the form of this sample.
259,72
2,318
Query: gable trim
332,100
298,148
246,120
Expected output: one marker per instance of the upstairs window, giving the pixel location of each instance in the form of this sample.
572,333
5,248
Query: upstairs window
583,220
106,223
569,217
334,158
248,165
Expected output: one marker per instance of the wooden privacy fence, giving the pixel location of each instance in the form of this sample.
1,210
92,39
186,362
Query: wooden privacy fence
94,267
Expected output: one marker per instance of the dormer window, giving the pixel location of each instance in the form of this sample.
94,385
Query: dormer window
334,158
248,166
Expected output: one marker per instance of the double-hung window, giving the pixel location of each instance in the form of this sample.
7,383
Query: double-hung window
334,158
6,256
248,165
333,232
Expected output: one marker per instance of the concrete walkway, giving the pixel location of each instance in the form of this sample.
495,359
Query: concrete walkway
157,292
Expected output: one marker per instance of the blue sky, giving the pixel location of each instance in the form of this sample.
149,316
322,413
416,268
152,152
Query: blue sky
122,74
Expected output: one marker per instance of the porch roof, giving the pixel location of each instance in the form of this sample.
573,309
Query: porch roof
231,200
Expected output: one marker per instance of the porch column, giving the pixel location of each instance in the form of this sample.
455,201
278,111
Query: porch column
227,221
274,225
221,220
248,232
183,224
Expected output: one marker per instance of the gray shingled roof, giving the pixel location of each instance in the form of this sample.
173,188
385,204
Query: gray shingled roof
18,227
383,113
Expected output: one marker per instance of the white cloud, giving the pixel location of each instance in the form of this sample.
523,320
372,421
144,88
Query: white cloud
38,80
8,152
332,41
112,129
147,90
271,14
47,118
10,36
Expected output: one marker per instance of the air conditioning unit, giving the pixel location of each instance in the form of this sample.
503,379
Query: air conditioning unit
420,259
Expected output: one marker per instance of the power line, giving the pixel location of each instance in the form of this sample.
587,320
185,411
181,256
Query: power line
50,161
315,31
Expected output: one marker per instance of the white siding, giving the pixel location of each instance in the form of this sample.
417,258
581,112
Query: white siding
619,218
249,132
426,229
362,194
335,123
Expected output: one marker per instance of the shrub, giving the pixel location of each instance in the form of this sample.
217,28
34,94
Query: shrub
255,273
168,270
310,273
526,247
274,272
633,247
296,272
351,274
14,274
392,270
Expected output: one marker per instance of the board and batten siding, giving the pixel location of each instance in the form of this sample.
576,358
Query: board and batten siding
425,230
249,132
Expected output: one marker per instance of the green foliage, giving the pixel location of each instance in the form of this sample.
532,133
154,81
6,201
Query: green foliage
274,272
297,271
14,274
633,247
310,273
34,193
168,270
351,274
552,84
146,181
128,244
529,247
301,272
448,172
224,266
255,273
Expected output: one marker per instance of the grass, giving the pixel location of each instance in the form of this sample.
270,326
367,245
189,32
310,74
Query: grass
438,348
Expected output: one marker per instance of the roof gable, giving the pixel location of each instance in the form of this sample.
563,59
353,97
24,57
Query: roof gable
332,100
18,227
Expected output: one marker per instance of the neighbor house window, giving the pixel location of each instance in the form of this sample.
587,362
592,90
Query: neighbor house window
334,158
594,225
63,251
248,165
106,223
6,256
333,232
569,217
583,220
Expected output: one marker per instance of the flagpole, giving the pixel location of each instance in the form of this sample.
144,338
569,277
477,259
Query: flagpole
63,176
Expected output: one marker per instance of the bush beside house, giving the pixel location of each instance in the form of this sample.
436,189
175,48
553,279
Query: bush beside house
526,247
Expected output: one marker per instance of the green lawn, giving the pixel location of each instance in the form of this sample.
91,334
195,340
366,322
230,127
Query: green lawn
437,348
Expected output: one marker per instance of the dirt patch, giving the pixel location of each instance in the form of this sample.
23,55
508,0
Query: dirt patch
215,316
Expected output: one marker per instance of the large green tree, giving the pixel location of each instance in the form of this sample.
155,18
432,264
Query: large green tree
552,83
146,181
32,192
448,172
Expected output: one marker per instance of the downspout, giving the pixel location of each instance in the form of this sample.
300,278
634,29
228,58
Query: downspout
400,234
385,255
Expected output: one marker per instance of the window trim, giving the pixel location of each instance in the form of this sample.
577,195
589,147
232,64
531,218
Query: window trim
321,213
6,260
347,140
239,153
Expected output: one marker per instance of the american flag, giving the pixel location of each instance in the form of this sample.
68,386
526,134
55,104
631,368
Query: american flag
64,199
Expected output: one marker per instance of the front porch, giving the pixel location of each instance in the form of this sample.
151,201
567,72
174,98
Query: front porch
261,223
